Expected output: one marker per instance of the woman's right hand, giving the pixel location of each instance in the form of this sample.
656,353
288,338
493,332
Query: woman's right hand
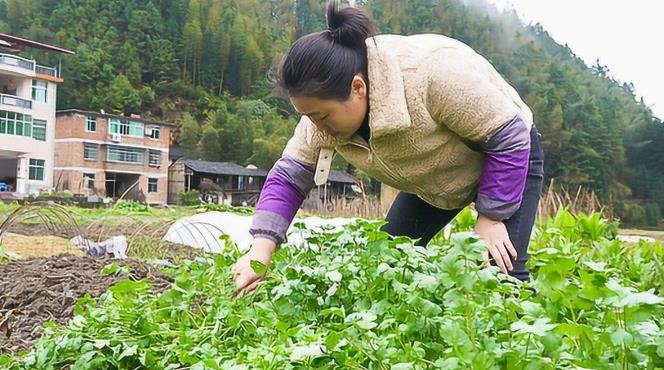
246,279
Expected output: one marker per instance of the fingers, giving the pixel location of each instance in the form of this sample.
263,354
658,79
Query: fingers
502,257
251,286
511,249
506,257
246,283
495,253
244,278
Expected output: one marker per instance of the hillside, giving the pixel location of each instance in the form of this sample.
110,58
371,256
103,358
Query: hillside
206,64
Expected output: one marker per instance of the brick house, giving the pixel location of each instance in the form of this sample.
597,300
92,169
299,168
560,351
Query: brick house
112,156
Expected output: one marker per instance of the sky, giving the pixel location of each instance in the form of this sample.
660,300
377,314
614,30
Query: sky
626,36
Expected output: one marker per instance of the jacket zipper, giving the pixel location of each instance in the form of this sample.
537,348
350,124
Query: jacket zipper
372,154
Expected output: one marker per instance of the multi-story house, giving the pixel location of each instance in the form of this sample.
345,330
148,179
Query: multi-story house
112,156
27,117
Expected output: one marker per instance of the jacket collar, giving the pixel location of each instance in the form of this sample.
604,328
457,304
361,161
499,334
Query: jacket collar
388,110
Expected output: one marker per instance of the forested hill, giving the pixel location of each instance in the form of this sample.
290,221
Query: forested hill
206,64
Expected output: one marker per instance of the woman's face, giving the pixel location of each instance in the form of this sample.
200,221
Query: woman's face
340,119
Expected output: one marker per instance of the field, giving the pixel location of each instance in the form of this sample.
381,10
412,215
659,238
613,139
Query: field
355,299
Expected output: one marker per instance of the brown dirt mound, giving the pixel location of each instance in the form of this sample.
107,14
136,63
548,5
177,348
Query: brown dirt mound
35,290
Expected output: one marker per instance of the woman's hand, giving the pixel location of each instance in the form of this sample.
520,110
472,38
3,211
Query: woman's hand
246,279
494,233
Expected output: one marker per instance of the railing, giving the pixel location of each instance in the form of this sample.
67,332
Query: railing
15,101
15,61
30,65
45,70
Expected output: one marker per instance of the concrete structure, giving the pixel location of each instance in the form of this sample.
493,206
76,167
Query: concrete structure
112,156
27,117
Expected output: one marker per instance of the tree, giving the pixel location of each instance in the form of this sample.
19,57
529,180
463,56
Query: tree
120,97
189,136
209,145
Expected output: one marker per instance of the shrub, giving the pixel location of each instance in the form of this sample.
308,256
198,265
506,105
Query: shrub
190,198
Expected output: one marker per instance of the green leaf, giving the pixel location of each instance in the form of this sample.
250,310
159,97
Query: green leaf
128,352
660,347
628,297
425,281
539,328
309,351
332,340
334,276
429,308
364,320
640,298
620,337
110,269
258,267
448,363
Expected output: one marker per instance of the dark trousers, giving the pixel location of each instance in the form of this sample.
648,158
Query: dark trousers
413,217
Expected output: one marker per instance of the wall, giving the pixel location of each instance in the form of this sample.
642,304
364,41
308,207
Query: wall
71,137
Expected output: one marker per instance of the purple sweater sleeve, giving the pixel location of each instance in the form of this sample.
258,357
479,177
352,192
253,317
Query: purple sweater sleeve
287,185
505,169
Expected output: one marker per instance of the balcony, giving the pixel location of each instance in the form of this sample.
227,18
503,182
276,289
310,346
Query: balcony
26,64
15,101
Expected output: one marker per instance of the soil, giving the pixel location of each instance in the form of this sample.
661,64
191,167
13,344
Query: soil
35,290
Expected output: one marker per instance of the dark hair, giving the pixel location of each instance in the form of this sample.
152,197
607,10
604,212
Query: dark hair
323,64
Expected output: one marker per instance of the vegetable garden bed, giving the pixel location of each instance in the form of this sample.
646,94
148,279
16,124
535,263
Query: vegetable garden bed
358,299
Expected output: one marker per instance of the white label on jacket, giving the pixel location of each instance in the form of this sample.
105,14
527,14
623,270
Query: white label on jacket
323,166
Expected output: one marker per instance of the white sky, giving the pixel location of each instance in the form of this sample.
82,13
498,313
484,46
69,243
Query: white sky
625,35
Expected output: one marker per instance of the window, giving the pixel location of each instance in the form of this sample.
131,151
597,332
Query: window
39,130
135,129
152,185
154,158
12,123
89,181
113,126
130,128
240,182
39,89
91,124
155,132
90,151
36,169
124,155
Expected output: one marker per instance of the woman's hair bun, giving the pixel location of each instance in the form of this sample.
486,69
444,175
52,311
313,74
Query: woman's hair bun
349,26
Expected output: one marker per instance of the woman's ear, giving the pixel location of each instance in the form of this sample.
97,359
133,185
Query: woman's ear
358,86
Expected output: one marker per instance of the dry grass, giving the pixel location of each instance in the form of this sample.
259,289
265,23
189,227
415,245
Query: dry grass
553,199
38,246
582,200
369,208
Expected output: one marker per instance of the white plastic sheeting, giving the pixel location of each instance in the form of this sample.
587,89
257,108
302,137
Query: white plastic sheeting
205,230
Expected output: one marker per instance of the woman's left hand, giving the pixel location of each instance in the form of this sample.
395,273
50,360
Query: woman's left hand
494,233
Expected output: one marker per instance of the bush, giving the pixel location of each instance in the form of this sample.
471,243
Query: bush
132,207
633,214
226,208
190,198
653,214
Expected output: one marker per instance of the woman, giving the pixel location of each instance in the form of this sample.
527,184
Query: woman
424,114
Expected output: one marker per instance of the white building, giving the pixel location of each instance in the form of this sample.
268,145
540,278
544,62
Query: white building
27,117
